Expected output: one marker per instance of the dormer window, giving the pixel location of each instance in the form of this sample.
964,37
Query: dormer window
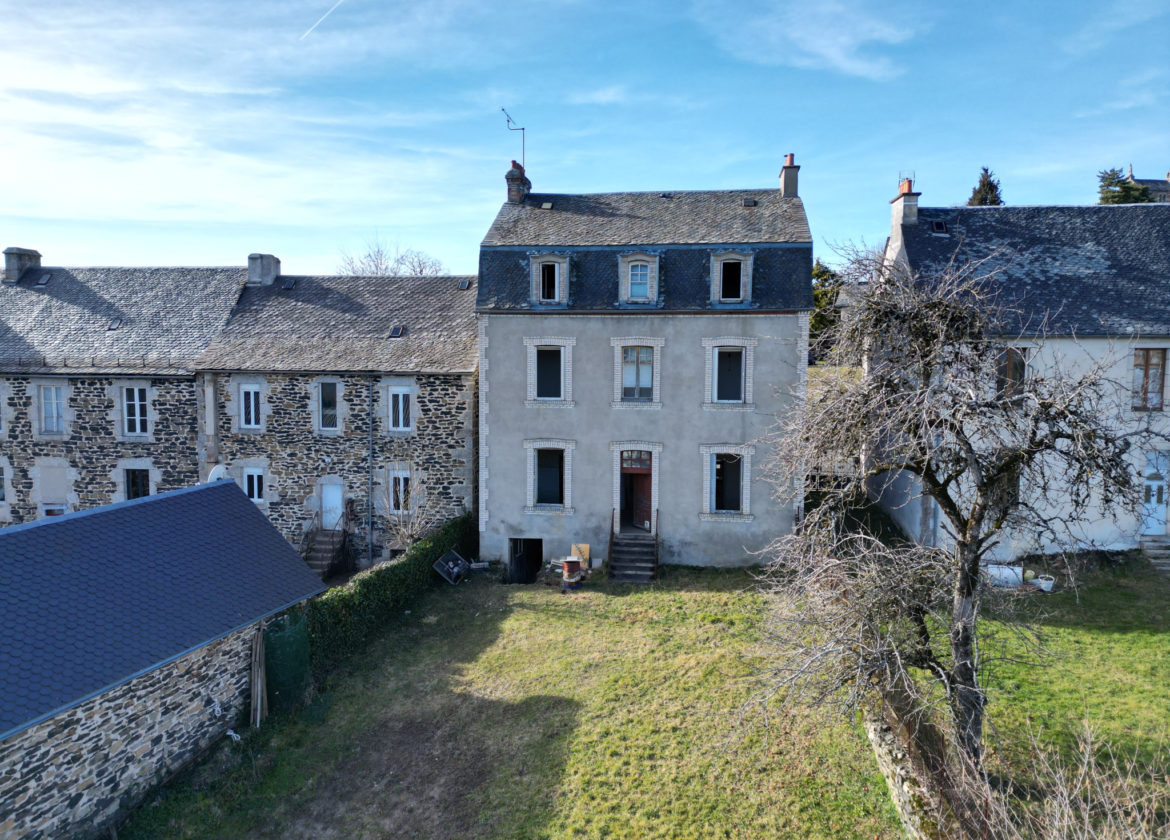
549,279
639,277
731,277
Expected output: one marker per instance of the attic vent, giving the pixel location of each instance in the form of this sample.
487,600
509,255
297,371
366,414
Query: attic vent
114,324
546,205
43,280
288,283
749,202
938,227
464,284
397,331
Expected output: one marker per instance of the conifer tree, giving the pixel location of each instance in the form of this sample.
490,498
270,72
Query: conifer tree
1116,189
986,192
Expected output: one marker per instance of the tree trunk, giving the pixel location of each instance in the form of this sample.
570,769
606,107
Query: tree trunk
967,699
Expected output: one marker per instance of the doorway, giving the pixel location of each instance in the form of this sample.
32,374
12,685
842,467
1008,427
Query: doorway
524,559
331,506
1154,494
636,511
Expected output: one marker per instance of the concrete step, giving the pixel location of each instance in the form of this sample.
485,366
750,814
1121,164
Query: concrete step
632,577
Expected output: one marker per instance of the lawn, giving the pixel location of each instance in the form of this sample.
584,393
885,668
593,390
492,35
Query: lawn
515,711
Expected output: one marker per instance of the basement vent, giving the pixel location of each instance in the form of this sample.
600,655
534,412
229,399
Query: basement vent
43,280
397,331
114,324
288,283
938,227
546,205
749,202
464,284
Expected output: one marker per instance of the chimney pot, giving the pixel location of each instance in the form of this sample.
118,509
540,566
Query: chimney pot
19,260
906,187
904,206
263,269
518,184
788,182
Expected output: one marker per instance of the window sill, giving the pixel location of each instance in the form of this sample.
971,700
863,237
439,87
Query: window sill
250,430
550,403
549,510
726,517
635,404
399,432
328,432
728,406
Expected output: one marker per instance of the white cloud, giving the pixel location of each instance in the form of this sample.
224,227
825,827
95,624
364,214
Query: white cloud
1140,90
611,95
845,36
1109,21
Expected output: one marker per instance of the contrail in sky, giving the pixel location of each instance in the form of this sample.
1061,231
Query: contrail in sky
318,23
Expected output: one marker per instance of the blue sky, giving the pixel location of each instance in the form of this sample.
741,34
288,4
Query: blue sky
147,133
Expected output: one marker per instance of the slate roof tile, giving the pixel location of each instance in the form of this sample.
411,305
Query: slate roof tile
89,599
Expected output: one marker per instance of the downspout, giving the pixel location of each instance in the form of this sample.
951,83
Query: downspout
370,489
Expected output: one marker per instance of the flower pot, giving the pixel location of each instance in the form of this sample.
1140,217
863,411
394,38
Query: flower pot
1044,582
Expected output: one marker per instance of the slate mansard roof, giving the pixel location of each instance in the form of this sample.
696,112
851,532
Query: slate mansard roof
92,599
114,320
682,228
1093,270
344,324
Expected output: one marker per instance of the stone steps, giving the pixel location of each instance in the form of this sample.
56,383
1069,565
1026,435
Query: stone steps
634,559
1157,551
322,552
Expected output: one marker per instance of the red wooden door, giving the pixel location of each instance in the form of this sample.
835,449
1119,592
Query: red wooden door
640,500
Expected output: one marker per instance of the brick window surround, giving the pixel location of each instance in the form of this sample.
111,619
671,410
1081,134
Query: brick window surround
707,452
619,344
530,449
530,347
745,260
711,348
560,269
625,263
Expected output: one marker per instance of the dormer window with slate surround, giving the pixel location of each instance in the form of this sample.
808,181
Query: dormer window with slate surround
550,276
639,277
731,277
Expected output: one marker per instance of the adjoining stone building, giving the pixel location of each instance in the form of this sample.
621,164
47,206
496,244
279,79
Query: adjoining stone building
635,349
126,647
329,389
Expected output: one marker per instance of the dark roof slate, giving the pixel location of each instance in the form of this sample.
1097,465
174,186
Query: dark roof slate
650,218
1091,270
165,317
337,323
91,599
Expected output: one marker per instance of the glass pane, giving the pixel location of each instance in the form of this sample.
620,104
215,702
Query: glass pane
729,375
548,373
329,405
550,476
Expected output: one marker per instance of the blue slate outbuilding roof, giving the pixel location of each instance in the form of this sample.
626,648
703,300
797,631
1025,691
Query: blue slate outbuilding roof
92,599
1090,271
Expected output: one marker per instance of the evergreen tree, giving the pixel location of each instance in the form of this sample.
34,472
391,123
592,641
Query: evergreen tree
1116,189
826,285
986,192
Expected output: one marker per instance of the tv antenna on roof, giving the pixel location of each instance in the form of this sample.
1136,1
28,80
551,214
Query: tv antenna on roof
513,127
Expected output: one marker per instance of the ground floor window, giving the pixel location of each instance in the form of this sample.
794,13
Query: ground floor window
254,484
727,483
137,483
727,479
550,476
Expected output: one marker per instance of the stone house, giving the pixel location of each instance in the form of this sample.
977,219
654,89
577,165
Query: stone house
1087,285
634,349
115,671
329,391
1159,189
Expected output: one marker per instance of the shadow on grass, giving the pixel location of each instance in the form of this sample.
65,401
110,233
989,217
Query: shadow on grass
394,748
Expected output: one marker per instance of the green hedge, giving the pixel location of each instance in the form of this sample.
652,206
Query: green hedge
343,620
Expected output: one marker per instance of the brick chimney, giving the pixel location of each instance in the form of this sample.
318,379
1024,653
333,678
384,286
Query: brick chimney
788,177
518,184
262,269
17,260
904,207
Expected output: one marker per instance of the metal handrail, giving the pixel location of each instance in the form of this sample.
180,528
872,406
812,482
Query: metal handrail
657,540
307,536
609,551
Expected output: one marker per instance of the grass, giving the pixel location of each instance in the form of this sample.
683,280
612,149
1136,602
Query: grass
518,712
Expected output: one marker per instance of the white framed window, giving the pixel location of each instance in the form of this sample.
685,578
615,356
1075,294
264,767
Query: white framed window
637,372
1149,377
730,369
254,483
52,403
400,410
399,489
250,407
550,371
549,476
731,277
639,277
134,410
550,273
727,474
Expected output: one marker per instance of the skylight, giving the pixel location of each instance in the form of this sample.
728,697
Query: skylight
114,324
397,331
938,227
43,280
464,284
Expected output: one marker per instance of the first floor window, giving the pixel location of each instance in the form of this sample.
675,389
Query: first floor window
134,410
550,476
328,419
637,374
726,483
400,409
399,491
250,406
1009,374
254,484
729,374
548,373
137,483
53,409
1149,372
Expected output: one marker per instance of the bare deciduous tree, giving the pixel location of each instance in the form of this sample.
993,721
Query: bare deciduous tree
941,411
382,260
407,506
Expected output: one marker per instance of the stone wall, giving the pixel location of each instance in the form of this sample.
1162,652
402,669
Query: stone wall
75,774
298,457
92,454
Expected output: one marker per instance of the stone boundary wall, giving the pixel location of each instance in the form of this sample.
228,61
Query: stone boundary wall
75,774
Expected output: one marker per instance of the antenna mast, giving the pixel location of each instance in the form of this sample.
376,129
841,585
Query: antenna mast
513,127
